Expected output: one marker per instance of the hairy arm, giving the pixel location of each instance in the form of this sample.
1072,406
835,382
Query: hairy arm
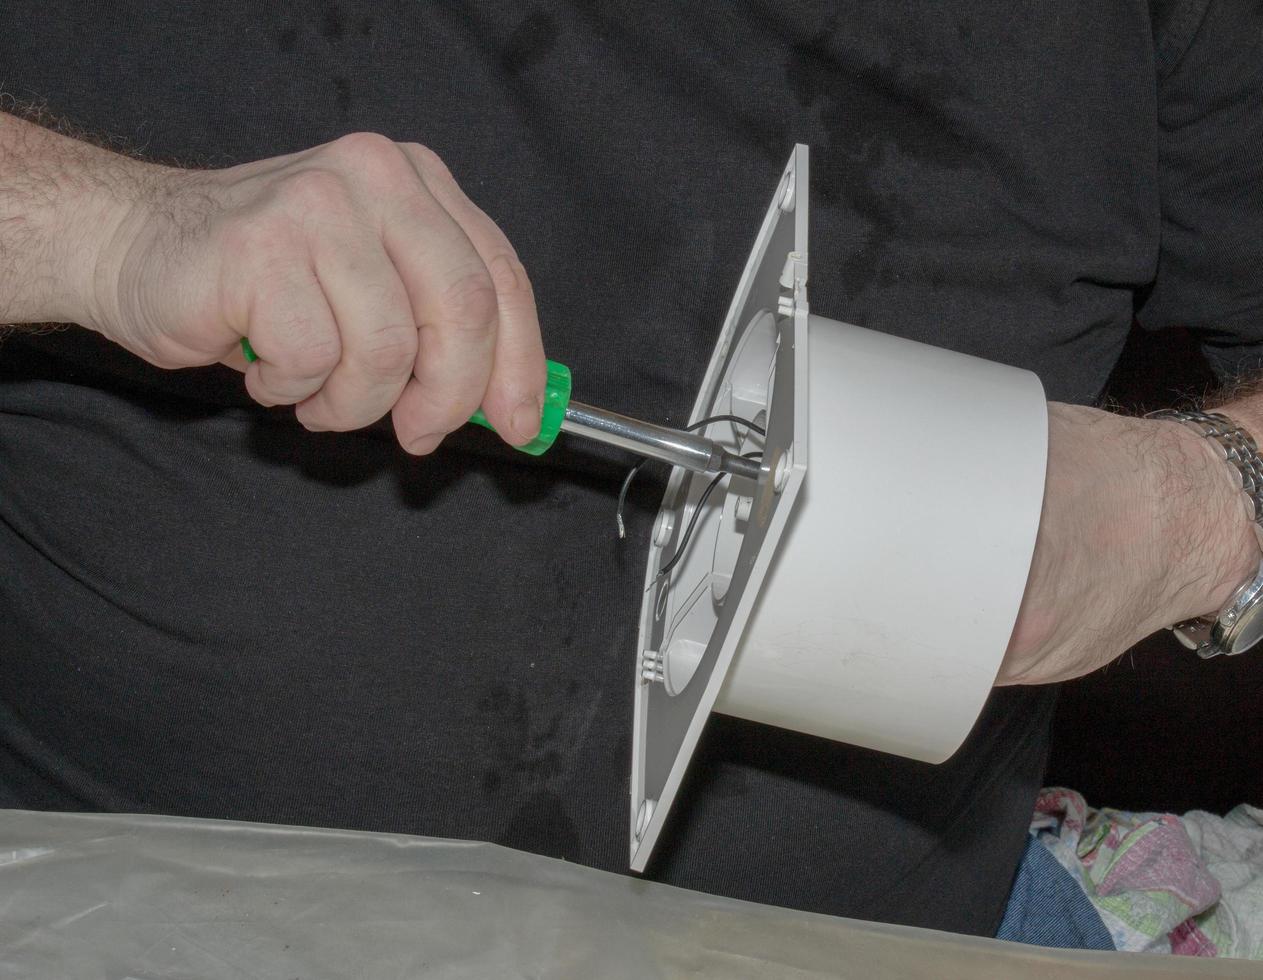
61,199
365,279
1142,527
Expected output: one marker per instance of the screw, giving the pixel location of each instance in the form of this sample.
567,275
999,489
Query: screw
662,528
786,203
781,477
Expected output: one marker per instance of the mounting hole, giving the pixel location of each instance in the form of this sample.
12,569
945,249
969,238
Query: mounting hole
786,199
643,816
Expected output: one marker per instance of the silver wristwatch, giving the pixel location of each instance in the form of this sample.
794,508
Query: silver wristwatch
1239,624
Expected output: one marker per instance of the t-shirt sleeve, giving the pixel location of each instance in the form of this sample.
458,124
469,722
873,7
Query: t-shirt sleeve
1209,59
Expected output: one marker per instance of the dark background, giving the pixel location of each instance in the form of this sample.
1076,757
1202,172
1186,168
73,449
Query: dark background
1161,729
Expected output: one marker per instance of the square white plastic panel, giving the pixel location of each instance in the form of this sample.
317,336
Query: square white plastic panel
692,618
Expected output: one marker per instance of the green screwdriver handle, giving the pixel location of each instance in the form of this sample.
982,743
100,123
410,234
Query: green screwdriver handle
556,398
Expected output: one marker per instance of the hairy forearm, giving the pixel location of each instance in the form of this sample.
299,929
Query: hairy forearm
60,201
1141,528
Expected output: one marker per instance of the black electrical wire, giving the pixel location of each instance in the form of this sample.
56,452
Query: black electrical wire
697,512
752,426
631,475
688,531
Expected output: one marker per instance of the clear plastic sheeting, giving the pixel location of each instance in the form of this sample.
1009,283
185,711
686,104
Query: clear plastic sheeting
88,896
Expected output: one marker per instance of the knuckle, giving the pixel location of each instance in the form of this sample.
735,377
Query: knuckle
429,161
509,275
420,209
469,304
389,352
298,344
313,187
364,144
372,156
437,408
313,357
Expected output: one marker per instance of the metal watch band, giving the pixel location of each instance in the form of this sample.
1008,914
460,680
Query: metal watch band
1210,636
1235,446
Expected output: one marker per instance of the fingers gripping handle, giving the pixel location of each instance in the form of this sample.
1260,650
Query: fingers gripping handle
556,398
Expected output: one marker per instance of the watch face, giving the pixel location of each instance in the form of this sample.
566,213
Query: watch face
1248,631
1240,625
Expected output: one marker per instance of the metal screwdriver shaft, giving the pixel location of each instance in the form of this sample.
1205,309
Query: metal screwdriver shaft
686,449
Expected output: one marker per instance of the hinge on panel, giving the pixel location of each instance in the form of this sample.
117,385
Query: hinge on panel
651,666
793,283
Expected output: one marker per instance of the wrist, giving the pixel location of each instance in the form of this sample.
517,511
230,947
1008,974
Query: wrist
1203,520
113,203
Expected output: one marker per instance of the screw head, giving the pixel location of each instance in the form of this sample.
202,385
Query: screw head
786,201
781,476
663,526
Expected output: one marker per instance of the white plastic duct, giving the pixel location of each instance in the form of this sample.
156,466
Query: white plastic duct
865,587
894,589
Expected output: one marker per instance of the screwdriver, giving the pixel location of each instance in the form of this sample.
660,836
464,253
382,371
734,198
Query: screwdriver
560,414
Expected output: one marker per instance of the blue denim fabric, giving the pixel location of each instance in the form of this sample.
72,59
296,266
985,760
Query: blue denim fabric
1048,908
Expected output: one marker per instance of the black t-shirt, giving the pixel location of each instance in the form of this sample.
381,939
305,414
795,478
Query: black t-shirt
206,610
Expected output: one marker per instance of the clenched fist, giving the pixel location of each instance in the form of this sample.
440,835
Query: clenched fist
364,278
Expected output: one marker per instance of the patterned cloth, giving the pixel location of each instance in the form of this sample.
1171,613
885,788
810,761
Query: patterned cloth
1190,885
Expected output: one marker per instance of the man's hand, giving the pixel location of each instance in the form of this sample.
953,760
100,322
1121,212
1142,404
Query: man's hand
365,279
1141,528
